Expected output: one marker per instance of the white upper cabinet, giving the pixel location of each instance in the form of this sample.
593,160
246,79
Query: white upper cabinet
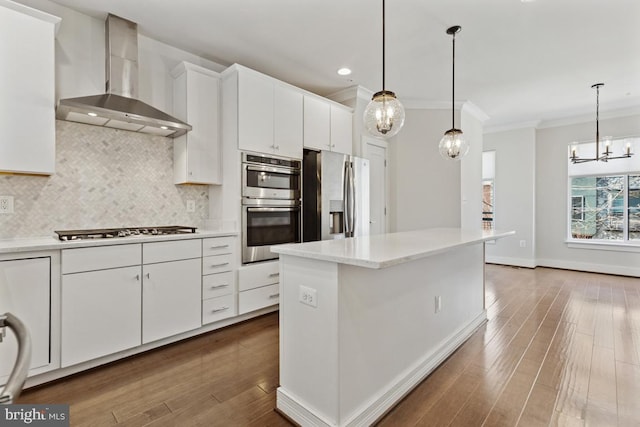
261,113
196,100
287,121
327,126
317,119
27,85
341,130
255,112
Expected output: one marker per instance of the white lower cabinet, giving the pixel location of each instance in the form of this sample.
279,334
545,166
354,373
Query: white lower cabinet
255,299
258,286
218,279
25,289
100,313
214,309
135,294
170,298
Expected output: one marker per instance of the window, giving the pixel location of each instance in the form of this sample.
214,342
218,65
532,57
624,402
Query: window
577,208
605,207
604,197
488,189
487,205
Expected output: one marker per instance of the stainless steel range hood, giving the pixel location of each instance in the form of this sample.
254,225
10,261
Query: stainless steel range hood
119,108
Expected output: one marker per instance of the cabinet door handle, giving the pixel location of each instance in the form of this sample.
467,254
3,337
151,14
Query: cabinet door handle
272,296
148,275
274,275
219,265
220,286
138,277
215,310
219,247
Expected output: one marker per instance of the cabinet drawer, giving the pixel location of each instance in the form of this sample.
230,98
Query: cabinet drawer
216,285
255,299
173,250
217,264
215,309
255,276
218,245
100,258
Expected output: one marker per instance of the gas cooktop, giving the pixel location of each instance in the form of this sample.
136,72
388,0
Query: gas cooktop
107,233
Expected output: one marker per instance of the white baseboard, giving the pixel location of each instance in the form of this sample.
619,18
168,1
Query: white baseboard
590,267
518,262
369,414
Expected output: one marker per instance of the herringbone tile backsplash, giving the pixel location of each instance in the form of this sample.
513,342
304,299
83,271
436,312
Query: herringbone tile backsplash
104,178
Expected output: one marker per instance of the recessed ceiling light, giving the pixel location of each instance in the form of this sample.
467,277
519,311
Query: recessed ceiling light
92,114
344,71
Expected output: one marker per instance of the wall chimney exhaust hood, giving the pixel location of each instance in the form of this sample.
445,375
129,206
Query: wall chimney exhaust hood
119,108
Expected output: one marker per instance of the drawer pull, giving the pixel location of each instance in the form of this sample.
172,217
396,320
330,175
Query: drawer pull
219,247
272,296
216,310
274,274
220,286
219,265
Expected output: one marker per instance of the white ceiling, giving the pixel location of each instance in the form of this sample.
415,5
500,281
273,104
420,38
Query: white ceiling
517,61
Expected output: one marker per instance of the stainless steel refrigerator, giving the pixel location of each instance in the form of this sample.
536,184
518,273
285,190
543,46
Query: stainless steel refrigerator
335,196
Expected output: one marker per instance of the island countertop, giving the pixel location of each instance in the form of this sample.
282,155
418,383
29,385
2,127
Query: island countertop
385,250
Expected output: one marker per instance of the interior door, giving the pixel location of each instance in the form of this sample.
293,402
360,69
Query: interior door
376,152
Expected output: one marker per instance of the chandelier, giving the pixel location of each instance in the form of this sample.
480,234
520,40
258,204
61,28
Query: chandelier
607,153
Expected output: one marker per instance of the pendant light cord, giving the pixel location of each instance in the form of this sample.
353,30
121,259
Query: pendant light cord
597,121
383,46
453,83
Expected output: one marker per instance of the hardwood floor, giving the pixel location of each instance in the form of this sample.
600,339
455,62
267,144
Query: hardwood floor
561,348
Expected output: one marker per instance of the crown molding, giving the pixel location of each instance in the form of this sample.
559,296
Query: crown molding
512,126
472,109
350,93
586,118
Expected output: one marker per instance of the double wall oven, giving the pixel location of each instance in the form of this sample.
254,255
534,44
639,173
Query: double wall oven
271,214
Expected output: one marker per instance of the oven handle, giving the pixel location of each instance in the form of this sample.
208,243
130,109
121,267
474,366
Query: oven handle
282,209
272,169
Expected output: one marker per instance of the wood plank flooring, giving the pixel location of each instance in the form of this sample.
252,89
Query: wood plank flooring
561,348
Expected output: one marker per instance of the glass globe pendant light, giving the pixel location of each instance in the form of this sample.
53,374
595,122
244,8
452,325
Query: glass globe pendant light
453,146
384,115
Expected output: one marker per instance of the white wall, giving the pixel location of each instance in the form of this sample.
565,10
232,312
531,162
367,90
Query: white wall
551,199
514,186
471,170
424,187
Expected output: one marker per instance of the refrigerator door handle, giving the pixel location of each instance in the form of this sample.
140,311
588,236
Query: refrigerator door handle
349,200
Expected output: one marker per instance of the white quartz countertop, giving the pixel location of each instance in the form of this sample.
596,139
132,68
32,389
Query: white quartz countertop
45,243
385,250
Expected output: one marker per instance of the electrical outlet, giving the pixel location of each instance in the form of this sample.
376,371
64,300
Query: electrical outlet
6,204
308,296
523,243
438,304
191,206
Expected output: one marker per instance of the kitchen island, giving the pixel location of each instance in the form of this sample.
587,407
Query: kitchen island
364,320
